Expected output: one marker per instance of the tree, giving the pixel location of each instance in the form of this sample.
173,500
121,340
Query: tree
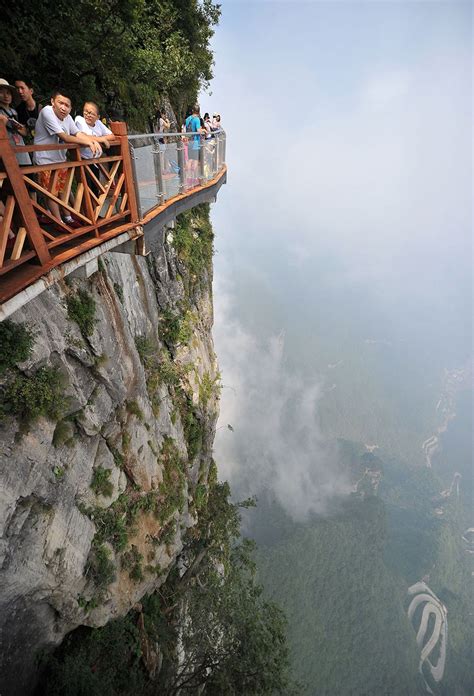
215,631
126,54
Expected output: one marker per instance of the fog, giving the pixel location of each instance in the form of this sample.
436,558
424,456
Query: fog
343,237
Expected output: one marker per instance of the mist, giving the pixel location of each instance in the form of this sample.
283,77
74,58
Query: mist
343,267
274,442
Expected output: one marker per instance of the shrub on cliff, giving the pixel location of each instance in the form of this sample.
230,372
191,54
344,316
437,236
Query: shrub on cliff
28,398
16,342
81,309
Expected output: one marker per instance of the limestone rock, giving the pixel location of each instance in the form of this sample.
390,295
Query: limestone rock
49,514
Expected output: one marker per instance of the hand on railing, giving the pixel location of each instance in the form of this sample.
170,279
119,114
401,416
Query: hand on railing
95,148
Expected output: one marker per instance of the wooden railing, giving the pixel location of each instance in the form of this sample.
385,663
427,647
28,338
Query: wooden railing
104,196
96,200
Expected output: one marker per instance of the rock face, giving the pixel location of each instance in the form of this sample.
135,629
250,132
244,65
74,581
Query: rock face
94,503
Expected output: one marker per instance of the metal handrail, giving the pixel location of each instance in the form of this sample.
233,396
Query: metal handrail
187,134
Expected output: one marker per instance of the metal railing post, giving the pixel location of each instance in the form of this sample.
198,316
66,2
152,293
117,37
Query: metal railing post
160,189
215,155
182,173
201,163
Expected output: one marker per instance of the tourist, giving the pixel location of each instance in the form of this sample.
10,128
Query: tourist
207,126
91,124
216,122
193,125
28,109
55,125
162,124
9,116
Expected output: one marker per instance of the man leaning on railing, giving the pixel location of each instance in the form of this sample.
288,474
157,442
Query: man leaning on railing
90,124
54,125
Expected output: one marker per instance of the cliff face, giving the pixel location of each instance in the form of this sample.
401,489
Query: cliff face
95,496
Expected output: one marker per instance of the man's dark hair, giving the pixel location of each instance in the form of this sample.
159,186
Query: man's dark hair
26,80
61,91
92,103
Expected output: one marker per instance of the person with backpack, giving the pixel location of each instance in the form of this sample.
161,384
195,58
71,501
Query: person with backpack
193,125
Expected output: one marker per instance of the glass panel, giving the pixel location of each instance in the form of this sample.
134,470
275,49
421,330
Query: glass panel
157,164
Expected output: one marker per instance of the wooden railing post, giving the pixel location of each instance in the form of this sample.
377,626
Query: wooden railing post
20,192
119,129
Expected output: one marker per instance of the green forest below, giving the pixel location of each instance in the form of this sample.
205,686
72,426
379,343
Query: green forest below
343,580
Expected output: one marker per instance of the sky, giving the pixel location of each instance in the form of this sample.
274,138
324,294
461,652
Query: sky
346,223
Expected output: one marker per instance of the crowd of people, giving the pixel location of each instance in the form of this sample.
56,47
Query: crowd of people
202,128
53,124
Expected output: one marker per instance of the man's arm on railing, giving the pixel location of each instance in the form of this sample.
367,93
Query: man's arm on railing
84,140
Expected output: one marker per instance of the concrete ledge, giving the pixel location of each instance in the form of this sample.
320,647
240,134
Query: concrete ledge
136,241
70,267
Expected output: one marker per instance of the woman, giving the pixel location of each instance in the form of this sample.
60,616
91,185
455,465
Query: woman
207,126
15,130
162,124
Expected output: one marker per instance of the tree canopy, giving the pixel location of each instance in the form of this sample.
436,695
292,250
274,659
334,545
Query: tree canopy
128,55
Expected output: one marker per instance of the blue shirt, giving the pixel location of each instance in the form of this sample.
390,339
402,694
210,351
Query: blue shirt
193,123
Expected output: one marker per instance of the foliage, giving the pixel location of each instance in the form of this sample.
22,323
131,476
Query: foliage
193,427
200,495
175,328
146,348
16,343
207,388
193,241
112,523
101,662
63,433
233,639
81,309
160,369
132,561
29,398
59,472
348,629
135,410
125,54
101,483
172,496
119,291
101,568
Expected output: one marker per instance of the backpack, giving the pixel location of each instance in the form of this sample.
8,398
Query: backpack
189,125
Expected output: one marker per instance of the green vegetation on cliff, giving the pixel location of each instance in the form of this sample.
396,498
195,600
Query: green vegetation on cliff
209,626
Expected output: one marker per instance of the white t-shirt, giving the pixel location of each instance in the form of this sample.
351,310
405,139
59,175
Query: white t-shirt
46,129
97,129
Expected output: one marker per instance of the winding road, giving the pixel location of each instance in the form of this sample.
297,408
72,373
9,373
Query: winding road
439,635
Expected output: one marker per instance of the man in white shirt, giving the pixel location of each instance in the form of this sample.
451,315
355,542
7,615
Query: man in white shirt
91,124
55,125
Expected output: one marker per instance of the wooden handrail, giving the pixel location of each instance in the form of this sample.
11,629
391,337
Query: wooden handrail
59,146
100,194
